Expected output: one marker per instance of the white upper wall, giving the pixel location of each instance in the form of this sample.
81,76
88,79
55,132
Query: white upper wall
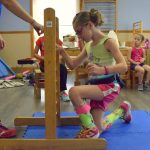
130,11
65,10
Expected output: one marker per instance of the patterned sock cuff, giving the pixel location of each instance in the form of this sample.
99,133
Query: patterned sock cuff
83,109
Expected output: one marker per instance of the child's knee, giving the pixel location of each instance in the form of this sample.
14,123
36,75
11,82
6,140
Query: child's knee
141,70
73,91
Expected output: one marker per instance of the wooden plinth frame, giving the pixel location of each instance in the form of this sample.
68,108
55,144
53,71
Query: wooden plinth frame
52,119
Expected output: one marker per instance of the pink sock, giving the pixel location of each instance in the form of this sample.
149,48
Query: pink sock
83,109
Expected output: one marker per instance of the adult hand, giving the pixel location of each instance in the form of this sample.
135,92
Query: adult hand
38,27
2,43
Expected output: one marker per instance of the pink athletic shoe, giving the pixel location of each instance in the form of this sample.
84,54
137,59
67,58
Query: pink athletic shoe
126,106
64,96
7,132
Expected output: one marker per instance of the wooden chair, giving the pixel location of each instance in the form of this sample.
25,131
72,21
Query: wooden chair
134,79
137,28
38,82
126,76
80,73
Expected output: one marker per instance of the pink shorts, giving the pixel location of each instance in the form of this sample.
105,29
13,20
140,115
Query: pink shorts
111,91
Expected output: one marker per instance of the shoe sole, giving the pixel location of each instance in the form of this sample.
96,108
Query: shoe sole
66,100
8,134
96,136
126,106
93,137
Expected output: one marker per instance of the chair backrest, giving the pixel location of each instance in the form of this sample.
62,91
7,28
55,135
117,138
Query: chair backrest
124,52
126,76
137,27
129,43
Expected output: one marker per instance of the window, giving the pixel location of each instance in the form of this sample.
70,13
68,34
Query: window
65,10
108,10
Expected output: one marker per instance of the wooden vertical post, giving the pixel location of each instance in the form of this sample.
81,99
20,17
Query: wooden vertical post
57,73
50,72
81,5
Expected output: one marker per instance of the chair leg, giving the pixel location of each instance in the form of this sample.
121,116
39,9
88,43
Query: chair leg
128,83
37,92
133,81
77,82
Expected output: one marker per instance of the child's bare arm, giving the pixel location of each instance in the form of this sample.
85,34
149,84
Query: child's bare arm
120,66
72,63
36,55
129,57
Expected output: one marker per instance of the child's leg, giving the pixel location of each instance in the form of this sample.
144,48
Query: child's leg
111,118
147,80
63,77
110,92
63,83
83,109
140,72
123,111
147,68
98,118
106,122
42,67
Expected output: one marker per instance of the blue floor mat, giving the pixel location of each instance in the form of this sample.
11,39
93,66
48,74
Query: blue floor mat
121,136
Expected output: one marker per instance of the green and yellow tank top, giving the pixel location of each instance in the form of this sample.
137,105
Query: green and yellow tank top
99,55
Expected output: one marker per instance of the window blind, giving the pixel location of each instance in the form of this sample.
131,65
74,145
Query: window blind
108,10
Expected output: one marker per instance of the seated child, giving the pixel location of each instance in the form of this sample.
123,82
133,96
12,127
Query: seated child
63,70
136,56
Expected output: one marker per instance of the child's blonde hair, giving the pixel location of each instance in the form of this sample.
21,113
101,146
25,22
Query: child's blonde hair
83,17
